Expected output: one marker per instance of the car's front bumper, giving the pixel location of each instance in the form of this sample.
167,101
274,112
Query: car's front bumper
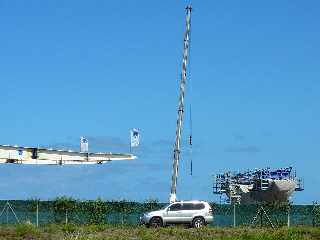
143,220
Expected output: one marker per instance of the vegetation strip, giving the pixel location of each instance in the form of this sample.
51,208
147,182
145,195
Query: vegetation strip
97,232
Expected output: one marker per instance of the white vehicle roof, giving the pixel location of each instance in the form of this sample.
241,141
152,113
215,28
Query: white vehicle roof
191,201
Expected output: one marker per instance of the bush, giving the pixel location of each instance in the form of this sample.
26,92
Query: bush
61,207
151,204
27,230
96,211
69,228
95,228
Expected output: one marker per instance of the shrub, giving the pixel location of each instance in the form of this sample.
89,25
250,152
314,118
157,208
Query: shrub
151,204
96,211
62,206
27,230
69,228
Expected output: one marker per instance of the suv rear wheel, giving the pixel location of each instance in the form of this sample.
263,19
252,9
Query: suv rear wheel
155,222
198,222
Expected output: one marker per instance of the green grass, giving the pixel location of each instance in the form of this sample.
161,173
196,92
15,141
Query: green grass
122,232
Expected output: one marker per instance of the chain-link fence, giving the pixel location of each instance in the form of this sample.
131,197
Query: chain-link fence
67,210
266,215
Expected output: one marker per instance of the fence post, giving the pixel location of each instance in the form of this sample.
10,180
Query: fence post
66,216
234,214
37,213
288,220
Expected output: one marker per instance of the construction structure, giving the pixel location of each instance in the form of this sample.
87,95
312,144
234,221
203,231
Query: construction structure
258,185
177,146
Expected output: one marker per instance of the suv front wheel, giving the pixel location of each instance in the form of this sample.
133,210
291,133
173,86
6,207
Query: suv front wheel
198,222
155,222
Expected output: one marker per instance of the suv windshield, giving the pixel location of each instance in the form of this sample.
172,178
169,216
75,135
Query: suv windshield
164,207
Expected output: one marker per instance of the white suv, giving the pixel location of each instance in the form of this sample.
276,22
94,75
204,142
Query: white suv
195,213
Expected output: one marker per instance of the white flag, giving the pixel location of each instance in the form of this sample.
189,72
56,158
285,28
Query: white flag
84,144
135,137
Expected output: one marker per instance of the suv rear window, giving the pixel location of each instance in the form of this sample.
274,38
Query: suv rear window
198,206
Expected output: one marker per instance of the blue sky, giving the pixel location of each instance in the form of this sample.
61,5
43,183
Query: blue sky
99,68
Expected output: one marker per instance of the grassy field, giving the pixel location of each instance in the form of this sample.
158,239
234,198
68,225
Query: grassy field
99,232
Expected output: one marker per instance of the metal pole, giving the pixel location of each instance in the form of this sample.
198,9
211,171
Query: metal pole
261,218
288,220
14,214
234,214
37,214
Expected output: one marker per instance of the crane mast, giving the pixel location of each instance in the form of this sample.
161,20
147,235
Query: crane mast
177,147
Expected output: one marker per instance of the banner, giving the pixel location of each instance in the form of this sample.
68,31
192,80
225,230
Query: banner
84,145
135,137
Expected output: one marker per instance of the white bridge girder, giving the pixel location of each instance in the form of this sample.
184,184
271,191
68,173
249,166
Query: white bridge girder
30,155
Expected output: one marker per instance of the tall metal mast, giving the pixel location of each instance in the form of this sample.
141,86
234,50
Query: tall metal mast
176,153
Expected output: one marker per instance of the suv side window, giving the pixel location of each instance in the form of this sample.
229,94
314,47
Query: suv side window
198,206
187,206
175,207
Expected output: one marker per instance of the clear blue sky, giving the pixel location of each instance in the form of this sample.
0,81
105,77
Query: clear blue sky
99,68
